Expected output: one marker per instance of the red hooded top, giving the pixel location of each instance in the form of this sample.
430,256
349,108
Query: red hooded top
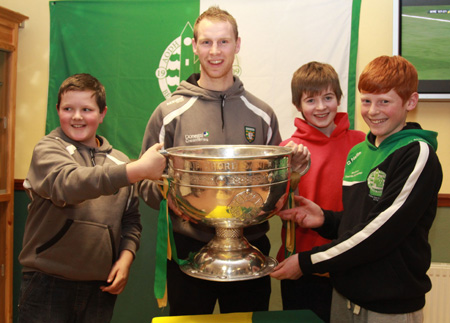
323,182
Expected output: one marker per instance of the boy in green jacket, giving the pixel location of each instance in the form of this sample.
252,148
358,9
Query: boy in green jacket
379,254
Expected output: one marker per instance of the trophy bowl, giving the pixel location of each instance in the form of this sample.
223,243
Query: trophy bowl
229,187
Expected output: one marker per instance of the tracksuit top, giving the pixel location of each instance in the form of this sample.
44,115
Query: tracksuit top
323,181
83,211
379,255
197,116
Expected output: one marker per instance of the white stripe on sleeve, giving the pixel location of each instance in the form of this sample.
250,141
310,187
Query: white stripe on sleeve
261,114
168,118
383,217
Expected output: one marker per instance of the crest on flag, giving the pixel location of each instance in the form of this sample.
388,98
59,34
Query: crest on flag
177,62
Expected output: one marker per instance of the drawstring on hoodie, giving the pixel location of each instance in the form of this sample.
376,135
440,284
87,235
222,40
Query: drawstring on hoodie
93,150
222,105
92,157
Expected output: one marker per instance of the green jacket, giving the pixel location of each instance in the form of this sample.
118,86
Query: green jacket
379,255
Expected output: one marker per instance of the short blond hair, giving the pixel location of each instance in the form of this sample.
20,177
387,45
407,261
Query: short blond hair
214,13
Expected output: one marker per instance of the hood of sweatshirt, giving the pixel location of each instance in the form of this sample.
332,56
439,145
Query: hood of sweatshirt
412,131
191,88
308,133
105,146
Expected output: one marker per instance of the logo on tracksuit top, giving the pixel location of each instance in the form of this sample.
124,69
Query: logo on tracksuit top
198,137
250,134
375,182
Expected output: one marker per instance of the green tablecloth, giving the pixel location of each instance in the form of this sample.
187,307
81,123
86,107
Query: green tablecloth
299,316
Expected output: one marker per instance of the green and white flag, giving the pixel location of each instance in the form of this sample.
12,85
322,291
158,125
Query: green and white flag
141,50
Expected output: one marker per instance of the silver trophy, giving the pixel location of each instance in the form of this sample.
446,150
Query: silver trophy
229,187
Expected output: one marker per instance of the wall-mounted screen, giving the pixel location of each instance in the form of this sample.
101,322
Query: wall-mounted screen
422,36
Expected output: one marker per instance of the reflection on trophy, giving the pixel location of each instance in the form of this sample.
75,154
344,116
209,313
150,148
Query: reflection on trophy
229,187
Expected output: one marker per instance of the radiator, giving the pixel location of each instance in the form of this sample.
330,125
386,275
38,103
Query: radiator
437,307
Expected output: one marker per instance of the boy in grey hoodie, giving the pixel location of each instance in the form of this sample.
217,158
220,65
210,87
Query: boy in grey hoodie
83,227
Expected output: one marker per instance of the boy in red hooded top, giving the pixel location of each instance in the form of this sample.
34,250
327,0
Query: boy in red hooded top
316,93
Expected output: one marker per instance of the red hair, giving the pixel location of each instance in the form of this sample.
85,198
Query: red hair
387,73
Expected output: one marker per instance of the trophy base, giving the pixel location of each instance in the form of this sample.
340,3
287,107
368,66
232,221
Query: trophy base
229,257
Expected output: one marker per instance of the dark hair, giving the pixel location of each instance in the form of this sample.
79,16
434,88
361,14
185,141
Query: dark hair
386,73
312,78
84,82
214,13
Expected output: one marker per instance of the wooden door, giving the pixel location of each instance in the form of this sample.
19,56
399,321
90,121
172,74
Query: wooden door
9,26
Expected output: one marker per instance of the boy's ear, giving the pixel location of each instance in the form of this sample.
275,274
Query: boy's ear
103,114
299,109
412,101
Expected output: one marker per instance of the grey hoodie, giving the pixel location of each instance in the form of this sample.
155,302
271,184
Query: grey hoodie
196,116
83,211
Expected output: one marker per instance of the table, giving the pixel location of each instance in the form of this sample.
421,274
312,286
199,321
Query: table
248,317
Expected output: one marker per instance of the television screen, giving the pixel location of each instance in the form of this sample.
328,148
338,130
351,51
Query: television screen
422,36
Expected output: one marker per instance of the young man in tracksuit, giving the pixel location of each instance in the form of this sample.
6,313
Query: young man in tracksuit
379,255
213,108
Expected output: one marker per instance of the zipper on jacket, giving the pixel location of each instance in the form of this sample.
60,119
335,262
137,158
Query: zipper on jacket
113,245
222,105
92,157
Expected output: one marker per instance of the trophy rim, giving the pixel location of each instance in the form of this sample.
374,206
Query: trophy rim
186,151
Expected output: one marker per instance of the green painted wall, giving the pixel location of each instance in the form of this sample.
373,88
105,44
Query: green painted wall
439,236
137,303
